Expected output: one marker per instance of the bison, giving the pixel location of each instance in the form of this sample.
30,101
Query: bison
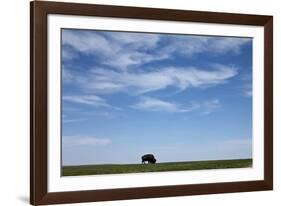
148,158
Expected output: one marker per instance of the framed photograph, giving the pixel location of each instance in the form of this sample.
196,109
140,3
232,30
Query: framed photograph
131,103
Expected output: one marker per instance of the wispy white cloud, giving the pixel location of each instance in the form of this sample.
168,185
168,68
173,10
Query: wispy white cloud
70,141
118,50
225,45
69,54
65,120
153,104
135,40
92,100
248,93
86,42
86,99
192,45
157,105
104,81
210,105
247,90
108,115
246,85
67,76
122,50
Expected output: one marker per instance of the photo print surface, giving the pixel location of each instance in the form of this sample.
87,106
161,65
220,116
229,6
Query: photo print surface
148,102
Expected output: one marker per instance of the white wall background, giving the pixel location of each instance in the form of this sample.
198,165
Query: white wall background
14,104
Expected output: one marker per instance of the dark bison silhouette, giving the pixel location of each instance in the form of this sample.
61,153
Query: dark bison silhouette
148,158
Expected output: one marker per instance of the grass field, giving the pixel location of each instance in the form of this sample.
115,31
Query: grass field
158,167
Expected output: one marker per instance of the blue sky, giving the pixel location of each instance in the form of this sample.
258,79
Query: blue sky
180,97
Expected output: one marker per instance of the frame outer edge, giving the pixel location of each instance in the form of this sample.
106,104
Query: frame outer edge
31,25
152,13
38,104
268,103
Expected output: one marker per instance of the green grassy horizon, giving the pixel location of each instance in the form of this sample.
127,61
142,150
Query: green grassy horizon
100,169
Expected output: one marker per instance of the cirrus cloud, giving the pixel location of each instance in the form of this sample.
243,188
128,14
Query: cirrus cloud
121,50
70,141
92,100
104,81
156,105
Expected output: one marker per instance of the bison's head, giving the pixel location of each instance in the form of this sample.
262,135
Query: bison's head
153,161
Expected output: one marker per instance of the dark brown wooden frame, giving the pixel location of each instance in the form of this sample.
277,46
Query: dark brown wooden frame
39,194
